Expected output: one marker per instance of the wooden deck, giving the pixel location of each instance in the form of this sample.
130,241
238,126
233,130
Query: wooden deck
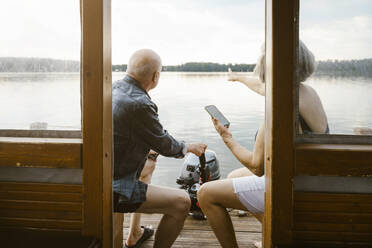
198,233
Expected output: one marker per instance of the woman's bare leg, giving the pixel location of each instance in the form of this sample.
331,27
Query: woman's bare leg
214,197
241,172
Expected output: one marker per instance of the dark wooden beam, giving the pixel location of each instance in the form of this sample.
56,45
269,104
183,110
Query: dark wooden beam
279,121
97,119
333,160
40,152
76,134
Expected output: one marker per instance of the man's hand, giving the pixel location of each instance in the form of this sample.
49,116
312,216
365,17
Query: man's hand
231,76
222,130
197,148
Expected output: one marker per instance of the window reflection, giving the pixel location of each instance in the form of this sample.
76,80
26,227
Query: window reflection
40,65
338,34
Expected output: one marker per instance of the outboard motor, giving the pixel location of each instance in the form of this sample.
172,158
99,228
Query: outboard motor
195,172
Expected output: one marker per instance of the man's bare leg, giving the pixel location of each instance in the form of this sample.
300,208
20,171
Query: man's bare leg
214,197
135,230
174,204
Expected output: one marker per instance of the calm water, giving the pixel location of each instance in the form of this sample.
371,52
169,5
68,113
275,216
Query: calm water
55,99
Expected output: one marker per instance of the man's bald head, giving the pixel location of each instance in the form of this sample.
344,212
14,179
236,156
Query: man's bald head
143,64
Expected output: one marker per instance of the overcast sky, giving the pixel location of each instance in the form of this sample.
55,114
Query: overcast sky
223,31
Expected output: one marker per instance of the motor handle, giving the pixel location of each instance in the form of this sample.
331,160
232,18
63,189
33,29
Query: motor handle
203,169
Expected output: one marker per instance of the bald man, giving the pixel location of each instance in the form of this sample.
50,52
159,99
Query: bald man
137,130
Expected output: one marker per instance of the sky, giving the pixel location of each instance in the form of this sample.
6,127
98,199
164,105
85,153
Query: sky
222,31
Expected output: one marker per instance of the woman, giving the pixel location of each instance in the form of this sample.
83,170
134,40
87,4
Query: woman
245,191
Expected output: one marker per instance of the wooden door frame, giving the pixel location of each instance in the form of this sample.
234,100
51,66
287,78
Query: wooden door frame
286,153
96,73
279,122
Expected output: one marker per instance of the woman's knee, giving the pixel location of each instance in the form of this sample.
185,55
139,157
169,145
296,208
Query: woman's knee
204,195
241,172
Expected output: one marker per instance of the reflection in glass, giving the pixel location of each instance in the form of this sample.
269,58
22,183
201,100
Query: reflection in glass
339,35
39,65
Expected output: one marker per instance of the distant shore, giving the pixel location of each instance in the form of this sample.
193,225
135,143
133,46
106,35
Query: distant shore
357,68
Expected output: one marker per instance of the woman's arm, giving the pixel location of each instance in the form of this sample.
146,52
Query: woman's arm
254,161
253,83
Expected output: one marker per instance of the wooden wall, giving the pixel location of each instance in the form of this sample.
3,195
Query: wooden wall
53,207
332,219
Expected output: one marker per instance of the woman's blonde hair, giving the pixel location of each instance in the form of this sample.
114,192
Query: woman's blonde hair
306,63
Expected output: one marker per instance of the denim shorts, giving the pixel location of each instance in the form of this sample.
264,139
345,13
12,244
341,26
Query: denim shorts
124,206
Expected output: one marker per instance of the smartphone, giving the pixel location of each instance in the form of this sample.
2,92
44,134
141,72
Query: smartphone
215,113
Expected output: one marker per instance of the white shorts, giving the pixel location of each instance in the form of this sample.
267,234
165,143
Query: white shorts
251,192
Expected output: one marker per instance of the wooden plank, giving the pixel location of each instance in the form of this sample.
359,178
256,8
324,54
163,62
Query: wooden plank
198,233
326,217
41,133
40,205
41,196
335,227
118,229
241,224
40,187
329,244
43,238
41,214
97,119
110,235
279,121
332,236
331,197
36,152
40,223
332,207
333,160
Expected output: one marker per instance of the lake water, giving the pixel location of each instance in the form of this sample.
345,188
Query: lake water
54,98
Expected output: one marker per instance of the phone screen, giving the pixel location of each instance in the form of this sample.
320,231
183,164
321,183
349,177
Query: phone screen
215,113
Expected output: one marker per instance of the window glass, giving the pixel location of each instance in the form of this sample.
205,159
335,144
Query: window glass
338,34
40,65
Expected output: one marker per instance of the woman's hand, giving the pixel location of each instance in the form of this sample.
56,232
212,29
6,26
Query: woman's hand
231,76
222,130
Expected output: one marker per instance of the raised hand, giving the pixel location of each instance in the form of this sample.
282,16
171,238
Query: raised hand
231,76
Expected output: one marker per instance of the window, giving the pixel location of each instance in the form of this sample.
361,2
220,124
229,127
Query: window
338,34
40,65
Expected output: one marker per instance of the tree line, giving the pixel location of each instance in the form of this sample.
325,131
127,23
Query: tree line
358,68
198,67
11,64
345,68
339,68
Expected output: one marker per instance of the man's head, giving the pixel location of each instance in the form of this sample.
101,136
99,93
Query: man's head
145,66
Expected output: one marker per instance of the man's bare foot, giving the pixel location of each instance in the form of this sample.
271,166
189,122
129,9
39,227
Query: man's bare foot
258,244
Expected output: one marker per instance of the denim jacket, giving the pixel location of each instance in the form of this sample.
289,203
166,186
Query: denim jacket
136,130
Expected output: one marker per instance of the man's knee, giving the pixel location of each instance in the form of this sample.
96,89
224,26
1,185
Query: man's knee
182,203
